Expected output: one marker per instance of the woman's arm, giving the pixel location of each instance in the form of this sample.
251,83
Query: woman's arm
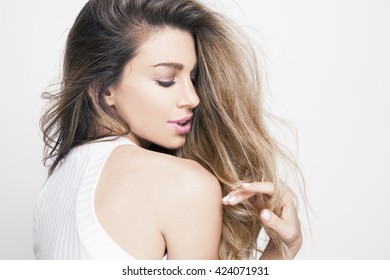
191,217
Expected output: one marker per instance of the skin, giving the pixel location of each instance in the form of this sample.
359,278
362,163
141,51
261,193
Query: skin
157,87
287,225
138,189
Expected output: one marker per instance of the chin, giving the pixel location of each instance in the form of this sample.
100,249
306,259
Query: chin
175,142
167,146
173,145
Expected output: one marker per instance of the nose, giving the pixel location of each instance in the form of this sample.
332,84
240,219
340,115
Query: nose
188,98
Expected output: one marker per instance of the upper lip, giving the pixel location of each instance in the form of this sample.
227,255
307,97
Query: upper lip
187,118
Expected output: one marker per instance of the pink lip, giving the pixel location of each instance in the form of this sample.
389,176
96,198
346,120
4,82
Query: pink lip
182,119
182,129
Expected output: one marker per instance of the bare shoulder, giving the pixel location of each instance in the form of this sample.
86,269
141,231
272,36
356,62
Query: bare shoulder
156,170
164,201
191,214
190,210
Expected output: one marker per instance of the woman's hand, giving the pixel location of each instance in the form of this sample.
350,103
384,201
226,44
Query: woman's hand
287,225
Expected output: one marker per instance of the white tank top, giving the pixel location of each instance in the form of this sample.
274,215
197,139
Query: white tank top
65,223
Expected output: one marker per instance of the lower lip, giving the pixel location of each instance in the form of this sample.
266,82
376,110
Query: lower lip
182,129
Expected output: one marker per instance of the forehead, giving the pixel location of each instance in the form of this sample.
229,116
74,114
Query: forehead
167,45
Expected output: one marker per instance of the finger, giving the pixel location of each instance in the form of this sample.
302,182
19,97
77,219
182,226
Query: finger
287,230
289,212
248,190
260,187
236,196
287,197
271,220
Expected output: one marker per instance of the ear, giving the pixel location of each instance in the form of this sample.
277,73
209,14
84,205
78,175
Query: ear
108,96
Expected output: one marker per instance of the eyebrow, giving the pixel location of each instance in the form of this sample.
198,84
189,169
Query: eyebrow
175,65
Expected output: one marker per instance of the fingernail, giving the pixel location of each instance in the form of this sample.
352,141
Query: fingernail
266,215
231,199
246,185
226,198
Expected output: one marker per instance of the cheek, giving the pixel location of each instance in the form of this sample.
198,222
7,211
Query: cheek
145,106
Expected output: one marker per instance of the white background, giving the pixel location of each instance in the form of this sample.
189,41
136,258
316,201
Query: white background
329,74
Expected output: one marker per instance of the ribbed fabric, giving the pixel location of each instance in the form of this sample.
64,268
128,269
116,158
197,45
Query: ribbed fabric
65,223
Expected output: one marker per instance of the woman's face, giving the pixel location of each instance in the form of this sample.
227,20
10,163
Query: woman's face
156,93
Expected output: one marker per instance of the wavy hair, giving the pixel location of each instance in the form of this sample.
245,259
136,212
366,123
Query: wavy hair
229,136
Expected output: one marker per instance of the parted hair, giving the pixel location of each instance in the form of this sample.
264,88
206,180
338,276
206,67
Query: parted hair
229,136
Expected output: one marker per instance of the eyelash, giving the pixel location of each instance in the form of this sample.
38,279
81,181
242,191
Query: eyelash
166,84
171,83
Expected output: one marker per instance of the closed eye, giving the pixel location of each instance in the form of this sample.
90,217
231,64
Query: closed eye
166,84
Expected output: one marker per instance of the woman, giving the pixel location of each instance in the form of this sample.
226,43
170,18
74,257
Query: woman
158,143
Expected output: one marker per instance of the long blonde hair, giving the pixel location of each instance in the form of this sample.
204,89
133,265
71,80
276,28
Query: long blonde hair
229,135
